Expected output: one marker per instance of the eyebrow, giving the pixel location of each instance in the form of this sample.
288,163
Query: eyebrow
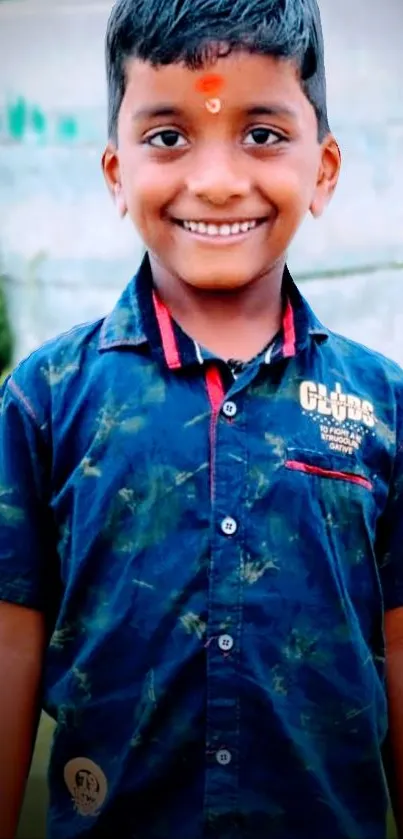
158,111
272,111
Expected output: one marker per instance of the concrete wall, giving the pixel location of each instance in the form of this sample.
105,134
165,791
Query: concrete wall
65,253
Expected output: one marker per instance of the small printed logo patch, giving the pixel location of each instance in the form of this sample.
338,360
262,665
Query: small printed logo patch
87,785
344,418
338,405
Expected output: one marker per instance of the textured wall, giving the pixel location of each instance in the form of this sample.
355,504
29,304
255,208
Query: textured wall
66,254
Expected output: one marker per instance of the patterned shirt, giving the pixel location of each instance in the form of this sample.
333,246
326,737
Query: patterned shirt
214,556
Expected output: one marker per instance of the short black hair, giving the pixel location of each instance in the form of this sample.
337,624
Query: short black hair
196,32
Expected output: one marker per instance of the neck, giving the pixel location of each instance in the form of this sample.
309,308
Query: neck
231,324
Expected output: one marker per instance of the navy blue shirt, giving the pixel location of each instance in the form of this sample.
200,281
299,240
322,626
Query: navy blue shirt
214,555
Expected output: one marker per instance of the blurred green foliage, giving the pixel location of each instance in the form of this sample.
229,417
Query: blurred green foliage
6,335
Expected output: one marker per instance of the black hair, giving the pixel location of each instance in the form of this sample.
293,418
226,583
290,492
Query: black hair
196,32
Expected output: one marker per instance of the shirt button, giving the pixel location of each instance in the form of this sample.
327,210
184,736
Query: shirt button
229,409
225,643
229,526
223,757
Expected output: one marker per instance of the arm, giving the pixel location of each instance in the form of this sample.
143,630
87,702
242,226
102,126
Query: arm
390,558
27,591
394,675
22,641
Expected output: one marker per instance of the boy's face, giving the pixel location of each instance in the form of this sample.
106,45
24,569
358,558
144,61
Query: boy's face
183,172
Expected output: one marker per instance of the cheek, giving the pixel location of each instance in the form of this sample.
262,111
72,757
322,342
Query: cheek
290,185
147,189
295,196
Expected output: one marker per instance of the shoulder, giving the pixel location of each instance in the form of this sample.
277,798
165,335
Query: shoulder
373,365
368,375
62,362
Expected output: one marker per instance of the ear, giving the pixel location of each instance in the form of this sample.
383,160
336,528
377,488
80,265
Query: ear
328,175
111,170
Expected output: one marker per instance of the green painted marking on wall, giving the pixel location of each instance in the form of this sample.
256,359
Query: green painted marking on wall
67,128
17,119
39,121
21,120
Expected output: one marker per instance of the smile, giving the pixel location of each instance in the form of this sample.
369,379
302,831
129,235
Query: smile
225,230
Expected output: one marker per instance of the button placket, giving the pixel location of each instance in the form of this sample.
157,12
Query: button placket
222,732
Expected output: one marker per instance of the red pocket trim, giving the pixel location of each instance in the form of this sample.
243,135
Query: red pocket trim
298,466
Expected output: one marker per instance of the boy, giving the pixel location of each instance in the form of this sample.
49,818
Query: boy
201,494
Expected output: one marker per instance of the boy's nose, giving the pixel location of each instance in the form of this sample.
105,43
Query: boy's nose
217,179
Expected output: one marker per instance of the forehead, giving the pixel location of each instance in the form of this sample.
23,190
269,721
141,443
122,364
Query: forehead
240,79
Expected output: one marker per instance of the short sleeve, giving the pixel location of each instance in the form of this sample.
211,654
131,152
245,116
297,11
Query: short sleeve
25,526
390,542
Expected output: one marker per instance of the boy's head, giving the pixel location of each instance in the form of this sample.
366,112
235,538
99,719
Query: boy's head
196,32
217,116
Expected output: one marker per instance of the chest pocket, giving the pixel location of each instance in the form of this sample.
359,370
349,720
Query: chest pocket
329,467
336,500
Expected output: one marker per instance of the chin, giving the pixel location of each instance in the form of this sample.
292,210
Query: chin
217,274
217,282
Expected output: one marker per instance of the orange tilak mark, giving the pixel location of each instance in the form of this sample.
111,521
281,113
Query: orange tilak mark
210,85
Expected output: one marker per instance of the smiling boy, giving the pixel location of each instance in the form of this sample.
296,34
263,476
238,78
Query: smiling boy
201,494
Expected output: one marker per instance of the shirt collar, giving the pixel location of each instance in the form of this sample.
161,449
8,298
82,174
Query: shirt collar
300,324
140,317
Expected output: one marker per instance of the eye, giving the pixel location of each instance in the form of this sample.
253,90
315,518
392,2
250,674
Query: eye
168,139
263,137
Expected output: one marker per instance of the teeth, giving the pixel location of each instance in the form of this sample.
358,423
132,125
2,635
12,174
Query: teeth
219,229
